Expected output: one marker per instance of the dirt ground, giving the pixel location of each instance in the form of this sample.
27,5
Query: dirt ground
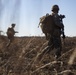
22,57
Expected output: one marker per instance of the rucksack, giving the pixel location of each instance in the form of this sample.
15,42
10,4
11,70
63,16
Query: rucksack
10,32
47,24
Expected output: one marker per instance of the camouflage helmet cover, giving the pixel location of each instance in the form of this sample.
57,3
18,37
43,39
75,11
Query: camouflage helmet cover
55,7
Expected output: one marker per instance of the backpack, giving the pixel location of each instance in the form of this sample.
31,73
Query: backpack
47,24
10,32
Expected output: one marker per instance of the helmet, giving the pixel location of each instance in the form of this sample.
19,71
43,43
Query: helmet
55,7
13,25
47,14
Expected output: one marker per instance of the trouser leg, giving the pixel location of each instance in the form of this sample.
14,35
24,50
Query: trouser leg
58,47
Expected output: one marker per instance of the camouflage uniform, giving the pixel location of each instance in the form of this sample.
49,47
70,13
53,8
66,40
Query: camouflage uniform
55,39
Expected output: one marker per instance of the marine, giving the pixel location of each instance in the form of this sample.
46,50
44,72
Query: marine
55,39
10,33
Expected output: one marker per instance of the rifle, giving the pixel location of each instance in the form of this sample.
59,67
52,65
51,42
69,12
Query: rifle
63,34
62,17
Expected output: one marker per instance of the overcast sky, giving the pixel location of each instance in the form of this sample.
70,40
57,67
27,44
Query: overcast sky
26,14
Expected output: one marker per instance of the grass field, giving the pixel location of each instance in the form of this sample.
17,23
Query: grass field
22,57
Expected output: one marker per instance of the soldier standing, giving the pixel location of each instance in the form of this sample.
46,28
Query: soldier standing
10,33
55,39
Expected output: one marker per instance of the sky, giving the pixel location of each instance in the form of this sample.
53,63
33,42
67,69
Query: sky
26,14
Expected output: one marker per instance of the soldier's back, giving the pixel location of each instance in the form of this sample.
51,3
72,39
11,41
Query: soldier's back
10,33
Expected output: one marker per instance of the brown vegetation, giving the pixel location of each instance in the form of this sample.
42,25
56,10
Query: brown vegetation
21,57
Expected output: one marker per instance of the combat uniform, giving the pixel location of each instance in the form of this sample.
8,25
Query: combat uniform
55,38
10,34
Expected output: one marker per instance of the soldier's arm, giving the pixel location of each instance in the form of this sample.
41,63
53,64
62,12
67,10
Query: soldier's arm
57,22
16,31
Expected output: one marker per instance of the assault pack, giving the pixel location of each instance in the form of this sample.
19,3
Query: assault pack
10,31
47,24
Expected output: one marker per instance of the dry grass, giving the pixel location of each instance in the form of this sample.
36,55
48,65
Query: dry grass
22,57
